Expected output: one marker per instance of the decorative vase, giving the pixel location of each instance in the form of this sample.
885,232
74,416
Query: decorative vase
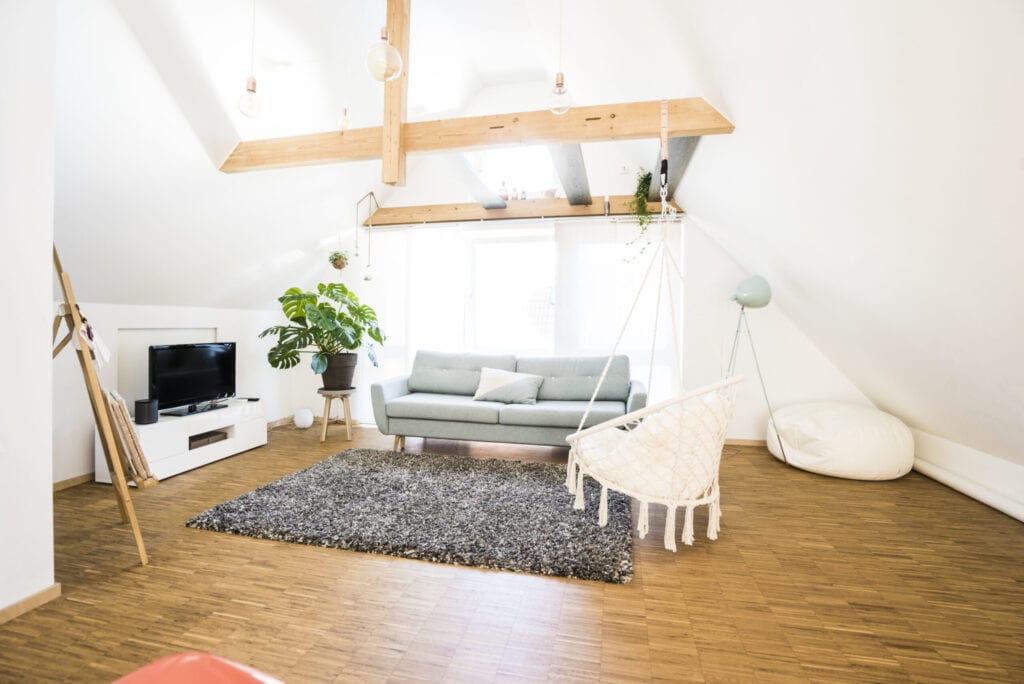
303,418
340,369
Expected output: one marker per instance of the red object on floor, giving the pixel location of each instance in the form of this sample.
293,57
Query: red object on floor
196,668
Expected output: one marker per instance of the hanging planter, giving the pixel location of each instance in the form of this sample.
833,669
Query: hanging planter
338,259
638,205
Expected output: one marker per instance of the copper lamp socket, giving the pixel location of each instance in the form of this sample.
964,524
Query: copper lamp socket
250,84
559,80
384,33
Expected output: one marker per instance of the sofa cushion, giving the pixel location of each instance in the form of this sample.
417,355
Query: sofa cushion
564,414
507,387
573,378
443,407
453,373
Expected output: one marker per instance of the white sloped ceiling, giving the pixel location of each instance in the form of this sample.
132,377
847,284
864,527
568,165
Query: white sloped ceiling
876,177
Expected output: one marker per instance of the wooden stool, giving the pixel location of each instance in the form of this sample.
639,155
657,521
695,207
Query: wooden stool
330,395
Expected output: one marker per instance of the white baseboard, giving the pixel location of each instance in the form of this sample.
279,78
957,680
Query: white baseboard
991,480
29,602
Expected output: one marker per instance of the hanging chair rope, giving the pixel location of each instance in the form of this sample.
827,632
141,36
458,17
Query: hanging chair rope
667,453
663,252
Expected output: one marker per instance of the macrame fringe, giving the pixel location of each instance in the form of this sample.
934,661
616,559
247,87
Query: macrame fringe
687,537
670,528
643,525
579,503
714,520
570,474
602,511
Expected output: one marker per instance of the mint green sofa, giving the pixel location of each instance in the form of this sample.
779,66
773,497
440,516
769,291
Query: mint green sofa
436,398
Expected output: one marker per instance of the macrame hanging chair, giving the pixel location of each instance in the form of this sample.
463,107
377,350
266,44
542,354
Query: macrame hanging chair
667,453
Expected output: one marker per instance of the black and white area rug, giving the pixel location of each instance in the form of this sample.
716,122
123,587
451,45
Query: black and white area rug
507,515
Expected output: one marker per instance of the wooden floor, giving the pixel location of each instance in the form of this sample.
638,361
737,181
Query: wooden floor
812,579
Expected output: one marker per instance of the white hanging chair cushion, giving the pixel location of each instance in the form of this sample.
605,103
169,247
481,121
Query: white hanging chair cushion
672,455
841,439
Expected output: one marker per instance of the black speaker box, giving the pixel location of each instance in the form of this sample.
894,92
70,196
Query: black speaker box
146,411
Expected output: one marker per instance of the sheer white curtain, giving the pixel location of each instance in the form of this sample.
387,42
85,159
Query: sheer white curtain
528,289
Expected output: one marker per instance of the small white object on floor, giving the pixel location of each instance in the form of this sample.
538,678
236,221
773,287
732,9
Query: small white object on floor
304,418
842,439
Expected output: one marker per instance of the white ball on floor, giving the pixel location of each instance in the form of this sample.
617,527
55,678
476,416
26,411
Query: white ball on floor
303,418
840,439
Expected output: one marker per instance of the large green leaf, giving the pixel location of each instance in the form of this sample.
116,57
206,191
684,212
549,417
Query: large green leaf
319,363
322,316
283,357
375,333
337,292
294,302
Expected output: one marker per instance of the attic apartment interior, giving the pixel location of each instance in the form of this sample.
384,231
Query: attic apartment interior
473,341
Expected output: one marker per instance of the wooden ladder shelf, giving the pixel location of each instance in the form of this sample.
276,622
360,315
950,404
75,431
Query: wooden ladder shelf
117,454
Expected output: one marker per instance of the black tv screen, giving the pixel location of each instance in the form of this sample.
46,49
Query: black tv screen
186,374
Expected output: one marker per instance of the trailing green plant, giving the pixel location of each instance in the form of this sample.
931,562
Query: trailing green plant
638,205
322,323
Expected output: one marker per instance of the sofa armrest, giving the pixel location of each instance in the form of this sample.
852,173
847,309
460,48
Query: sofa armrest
383,392
637,398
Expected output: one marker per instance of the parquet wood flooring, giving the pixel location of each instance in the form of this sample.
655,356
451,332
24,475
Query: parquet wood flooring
812,579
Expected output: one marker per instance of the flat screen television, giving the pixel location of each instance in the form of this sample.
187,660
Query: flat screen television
191,375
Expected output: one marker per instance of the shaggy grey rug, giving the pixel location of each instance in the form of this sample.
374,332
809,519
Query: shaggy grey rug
508,515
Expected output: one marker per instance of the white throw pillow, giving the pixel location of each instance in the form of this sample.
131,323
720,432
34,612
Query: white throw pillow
507,387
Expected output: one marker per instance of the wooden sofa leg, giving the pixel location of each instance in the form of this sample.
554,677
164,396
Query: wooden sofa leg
394,447
403,443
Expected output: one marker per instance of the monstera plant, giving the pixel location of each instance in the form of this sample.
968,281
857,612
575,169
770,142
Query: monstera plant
330,324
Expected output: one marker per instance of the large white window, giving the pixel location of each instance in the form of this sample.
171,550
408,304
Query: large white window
529,289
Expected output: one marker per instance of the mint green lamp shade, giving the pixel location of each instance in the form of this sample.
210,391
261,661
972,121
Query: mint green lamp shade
753,293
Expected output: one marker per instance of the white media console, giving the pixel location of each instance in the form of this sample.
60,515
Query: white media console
175,444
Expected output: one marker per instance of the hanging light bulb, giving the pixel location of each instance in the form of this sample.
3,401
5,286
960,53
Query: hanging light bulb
248,102
343,122
559,101
383,61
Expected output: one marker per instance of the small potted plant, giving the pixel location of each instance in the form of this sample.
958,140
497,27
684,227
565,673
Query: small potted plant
338,259
330,324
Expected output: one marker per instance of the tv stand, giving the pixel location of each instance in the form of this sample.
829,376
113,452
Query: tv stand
192,409
175,444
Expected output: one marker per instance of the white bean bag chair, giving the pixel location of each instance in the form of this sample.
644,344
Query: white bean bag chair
843,440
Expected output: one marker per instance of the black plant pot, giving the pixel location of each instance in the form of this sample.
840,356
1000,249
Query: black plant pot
340,369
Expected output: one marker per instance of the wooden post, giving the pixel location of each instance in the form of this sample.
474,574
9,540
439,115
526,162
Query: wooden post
396,96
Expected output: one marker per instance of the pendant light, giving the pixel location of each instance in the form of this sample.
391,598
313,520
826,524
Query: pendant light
560,101
248,102
383,61
343,123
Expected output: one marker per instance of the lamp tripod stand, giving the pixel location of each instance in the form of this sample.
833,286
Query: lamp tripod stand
753,292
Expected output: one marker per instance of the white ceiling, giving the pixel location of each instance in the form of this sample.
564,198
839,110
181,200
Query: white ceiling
875,175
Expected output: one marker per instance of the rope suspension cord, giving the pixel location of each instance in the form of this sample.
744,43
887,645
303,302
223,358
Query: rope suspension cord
252,44
662,251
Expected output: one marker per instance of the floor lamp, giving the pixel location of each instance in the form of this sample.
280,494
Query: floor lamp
754,293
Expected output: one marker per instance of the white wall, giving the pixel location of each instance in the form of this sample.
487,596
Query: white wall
27,31
875,179
795,370
73,425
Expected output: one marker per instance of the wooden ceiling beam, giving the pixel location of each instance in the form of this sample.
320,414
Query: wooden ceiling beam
691,116
572,172
396,96
517,209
